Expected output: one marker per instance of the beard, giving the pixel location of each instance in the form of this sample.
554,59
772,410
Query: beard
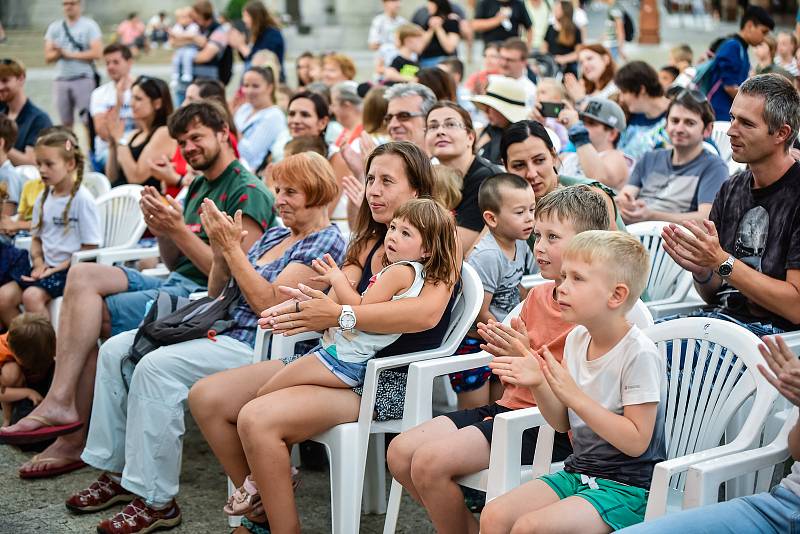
205,161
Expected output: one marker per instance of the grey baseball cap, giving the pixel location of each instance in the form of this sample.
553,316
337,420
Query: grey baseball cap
604,111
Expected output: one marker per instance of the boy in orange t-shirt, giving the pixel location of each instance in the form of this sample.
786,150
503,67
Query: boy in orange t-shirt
427,459
27,354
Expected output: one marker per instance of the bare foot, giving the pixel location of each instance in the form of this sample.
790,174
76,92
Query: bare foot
53,412
61,452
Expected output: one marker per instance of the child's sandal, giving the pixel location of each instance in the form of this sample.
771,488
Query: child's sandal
244,499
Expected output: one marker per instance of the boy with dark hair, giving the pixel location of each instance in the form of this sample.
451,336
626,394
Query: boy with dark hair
501,258
642,94
10,180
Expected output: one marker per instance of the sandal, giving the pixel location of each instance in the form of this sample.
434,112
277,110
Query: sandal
244,499
255,527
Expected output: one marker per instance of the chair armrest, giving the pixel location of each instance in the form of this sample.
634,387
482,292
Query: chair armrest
110,257
504,458
664,310
283,346
419,389
703,479
793,340
23,243
93,254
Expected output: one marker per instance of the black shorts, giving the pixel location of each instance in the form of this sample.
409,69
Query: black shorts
483,419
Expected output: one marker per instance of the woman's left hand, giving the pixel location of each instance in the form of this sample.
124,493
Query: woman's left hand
235,38
317,313
224,232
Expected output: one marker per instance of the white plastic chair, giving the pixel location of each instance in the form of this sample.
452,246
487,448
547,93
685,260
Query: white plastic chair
96,183
704,479
419,393
348,445
668,282
719,134
719,377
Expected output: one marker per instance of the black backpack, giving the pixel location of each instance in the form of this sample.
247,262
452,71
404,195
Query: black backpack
630,29
172,319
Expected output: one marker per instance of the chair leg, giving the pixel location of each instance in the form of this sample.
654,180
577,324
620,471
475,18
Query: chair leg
233,520
393,508
347,483
375,476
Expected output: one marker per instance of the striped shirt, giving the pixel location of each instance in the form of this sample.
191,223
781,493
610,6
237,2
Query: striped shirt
328,240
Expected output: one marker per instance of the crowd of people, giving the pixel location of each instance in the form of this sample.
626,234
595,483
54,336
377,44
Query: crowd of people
326,201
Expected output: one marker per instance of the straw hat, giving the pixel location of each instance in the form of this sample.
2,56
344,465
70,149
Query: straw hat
507,96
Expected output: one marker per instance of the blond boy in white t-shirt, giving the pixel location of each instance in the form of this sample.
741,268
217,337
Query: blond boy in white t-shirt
608,392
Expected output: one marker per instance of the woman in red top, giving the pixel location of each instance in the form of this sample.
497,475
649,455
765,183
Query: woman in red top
174,173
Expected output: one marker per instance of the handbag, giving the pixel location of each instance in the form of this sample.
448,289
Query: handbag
172,320
81,48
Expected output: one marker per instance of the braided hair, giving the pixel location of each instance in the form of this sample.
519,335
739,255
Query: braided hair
67,142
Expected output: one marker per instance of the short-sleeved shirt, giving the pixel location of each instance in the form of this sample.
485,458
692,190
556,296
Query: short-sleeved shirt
678,188
235,189
13,182
434,48
382,29
329,240
487,9
760,227
30,121
556,48
614,13
468,214
501,276
644,134
731,67
632,372
542,317
6,354
103,99
258,130
405,66
27,199
60,238
83,31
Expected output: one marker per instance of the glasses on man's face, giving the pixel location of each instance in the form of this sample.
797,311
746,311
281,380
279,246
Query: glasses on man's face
506,59
447,126
403,116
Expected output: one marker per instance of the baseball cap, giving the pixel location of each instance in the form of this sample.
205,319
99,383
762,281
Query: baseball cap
605,112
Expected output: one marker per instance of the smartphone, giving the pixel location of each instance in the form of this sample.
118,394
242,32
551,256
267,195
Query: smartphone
551,109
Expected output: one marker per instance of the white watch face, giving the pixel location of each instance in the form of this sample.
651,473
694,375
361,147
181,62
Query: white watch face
347,320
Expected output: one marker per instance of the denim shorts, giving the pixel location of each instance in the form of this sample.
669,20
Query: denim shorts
128,309
351,374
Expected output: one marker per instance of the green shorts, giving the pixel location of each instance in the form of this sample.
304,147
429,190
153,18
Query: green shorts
619,505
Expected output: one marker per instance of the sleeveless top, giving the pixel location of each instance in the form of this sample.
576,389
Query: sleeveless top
357,346
416,341
136,153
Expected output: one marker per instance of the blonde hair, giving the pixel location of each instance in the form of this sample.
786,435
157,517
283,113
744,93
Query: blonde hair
68,147
408,30
583,206
555,85
622,256
447,184
438,230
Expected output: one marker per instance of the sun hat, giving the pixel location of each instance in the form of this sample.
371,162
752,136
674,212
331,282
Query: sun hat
605,112
507,96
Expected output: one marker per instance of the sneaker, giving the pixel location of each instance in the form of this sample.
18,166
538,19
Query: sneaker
138,518
103,492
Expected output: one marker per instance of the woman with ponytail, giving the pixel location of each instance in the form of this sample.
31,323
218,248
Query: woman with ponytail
65,220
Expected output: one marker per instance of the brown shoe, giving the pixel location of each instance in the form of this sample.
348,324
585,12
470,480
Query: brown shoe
103,493
138,518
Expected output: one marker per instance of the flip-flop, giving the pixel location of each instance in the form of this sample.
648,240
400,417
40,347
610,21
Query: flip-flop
73,465
48,430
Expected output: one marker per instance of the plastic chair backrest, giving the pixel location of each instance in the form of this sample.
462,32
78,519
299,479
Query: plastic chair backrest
666,276
711,373
719,134
96,183
29,172
121,216
467,303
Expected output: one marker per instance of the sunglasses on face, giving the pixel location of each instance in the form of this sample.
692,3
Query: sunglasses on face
403,116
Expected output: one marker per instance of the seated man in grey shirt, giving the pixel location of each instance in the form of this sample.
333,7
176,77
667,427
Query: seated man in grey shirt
679,183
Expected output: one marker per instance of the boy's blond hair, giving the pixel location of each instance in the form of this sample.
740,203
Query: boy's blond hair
682,52
552,83
582,205
622,256
408,30
447,186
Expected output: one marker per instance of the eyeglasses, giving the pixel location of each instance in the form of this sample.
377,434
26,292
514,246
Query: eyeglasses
403,116
447,126
692,94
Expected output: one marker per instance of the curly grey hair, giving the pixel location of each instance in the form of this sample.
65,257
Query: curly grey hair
401,90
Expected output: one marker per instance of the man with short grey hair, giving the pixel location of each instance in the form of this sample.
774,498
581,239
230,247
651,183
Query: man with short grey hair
745,260
409,103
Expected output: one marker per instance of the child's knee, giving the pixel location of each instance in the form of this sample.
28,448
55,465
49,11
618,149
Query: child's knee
493,519
428,464
399,454
11,375
527,524
33,299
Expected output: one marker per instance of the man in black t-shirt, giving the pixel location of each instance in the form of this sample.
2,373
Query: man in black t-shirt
746,260
498,20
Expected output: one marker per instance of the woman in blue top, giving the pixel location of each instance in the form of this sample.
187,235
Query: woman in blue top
259,120
264,33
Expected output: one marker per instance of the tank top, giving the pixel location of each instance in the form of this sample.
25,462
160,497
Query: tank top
136,153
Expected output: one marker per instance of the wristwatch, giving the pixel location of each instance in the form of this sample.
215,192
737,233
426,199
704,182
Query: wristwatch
347,319
122,142
726,268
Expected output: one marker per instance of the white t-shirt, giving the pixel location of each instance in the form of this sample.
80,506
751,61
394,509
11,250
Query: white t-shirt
792,480
84,225
13,180
190,30
632,372
102,100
